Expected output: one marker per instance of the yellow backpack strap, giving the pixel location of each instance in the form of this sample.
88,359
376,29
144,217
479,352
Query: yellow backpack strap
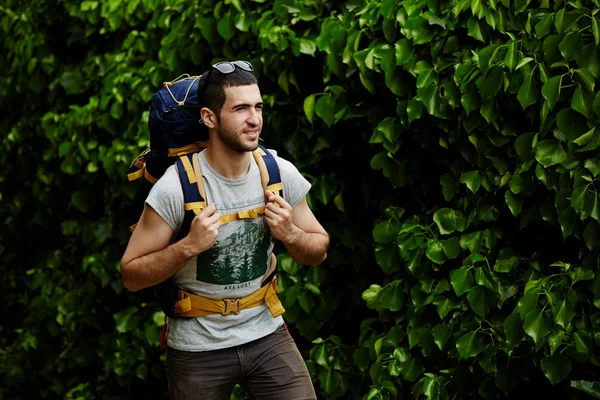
264,174
189,183
269,170
198,173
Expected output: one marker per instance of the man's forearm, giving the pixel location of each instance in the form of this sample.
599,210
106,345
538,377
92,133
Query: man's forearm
307,247
154,268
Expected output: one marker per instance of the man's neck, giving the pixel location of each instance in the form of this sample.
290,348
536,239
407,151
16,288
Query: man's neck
226,162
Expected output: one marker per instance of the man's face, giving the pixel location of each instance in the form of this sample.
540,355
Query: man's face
240,122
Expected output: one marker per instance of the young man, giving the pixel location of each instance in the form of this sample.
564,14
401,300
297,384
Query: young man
207,356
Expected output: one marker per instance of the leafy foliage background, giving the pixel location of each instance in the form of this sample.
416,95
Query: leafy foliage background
453,152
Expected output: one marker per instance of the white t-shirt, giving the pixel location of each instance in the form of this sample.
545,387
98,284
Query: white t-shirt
236,264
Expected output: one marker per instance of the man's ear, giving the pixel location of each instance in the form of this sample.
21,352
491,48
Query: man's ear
208,117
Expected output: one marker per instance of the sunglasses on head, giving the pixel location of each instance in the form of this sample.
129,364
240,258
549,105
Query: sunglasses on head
225,67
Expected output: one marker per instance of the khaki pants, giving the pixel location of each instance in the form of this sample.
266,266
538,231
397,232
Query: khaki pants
268,368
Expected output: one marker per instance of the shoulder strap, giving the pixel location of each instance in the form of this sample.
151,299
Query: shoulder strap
269,170
194,196
191,182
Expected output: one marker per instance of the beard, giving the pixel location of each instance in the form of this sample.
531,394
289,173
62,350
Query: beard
234,141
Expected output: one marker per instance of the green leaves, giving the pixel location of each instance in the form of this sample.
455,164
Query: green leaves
309,107
550,152
563,313
591,388
386,231
506,261
528,93
469,345
556,367
449,220
537,325
551,90
461,280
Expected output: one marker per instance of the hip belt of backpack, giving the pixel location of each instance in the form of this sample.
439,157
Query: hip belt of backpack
190,174
189,305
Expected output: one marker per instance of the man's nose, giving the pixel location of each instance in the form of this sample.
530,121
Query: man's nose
253,117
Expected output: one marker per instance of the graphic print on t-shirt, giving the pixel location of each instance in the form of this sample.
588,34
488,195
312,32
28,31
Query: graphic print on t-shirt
239,257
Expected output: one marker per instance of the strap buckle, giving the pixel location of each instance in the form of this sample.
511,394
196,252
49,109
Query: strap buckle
231,306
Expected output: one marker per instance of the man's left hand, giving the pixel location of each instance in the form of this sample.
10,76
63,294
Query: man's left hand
278,214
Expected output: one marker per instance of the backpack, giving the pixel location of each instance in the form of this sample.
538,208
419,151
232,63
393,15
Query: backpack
176,137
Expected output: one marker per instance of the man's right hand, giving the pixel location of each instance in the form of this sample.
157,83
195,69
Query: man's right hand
203,231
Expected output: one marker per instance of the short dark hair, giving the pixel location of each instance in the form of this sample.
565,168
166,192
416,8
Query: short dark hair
214,95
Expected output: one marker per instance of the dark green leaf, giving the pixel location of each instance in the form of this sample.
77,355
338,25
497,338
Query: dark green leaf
583,342
309,107
564,312
512,55
537,325
471,241
544,27
506,261
391,129
449,220
325,109
556,367
571,45
579,102
551,90
392,296
555,340
451,247
528,93
590,235
578,274
513,330
435,251
387,258
478,298
591,388
468,345
472,179
441,334
386,231
523,145
411,369
578,198
527,303
474,29
371,295
461,280
589,140
514,201
404,51
550,152
449,185
490,83
566,219
414,110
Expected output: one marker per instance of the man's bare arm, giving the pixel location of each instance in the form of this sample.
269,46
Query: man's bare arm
150,258
298,229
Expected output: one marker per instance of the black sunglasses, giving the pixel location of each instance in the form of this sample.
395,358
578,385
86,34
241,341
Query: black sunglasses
225,67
